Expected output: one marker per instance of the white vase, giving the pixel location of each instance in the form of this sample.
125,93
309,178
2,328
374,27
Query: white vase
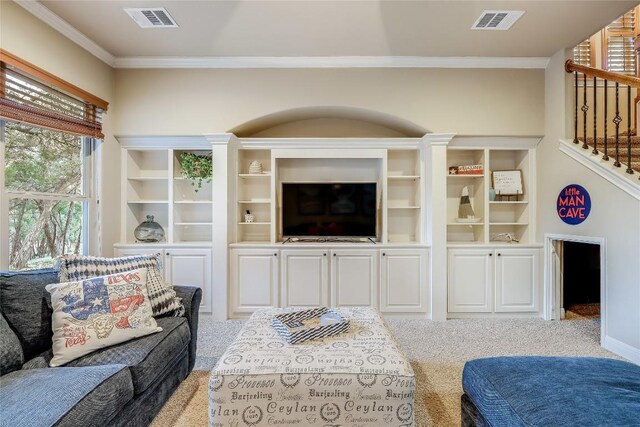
255,167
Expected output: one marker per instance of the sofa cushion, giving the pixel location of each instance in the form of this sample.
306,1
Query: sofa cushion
27,307
11,357
162,296
99,312
147,357
546,391
90,396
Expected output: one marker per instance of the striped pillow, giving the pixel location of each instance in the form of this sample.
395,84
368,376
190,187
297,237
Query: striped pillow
161,295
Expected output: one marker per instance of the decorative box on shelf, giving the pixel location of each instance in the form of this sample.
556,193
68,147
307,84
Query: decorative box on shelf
466,170
304,325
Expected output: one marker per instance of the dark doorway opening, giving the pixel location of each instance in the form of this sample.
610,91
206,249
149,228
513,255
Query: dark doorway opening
581,280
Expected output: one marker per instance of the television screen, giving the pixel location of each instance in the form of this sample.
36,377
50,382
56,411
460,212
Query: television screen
344,209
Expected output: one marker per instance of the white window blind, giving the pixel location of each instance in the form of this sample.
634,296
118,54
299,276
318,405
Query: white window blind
582,53
620,53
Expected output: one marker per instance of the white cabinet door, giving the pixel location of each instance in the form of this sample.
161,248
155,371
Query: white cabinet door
404,281
517,280
305,277
254,279
190,267
354,278
470,280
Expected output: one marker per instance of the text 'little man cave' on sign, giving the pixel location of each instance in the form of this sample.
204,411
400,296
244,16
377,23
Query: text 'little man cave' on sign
573,204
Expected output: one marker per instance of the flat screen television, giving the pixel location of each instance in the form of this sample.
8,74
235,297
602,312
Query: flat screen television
338,209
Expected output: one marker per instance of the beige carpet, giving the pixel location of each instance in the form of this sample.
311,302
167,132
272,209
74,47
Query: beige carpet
437,351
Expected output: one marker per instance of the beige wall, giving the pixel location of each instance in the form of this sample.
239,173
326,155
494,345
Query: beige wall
464,101
29,38
615,215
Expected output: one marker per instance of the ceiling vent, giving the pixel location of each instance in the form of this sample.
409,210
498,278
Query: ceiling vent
157,17
497,19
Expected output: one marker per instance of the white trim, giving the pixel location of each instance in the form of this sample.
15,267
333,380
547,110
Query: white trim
219,138
617,176
435,139
625,350
327,143
4,207
54,21
332,62
159,142
549,300
493,142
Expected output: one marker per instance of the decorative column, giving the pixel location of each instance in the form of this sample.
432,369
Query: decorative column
223,149
435,174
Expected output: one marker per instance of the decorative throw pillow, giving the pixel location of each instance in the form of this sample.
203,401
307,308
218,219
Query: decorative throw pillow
99,312
162,296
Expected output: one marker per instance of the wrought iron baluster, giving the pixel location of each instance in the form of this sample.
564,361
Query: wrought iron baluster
629,170
605,157
616,120
575,114
595,115
585,108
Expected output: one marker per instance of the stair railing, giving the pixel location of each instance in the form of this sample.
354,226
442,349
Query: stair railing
606,76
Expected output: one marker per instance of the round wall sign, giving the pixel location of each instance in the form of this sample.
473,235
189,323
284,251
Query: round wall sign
573,204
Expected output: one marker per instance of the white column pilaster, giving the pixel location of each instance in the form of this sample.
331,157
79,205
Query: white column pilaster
436,222
222,147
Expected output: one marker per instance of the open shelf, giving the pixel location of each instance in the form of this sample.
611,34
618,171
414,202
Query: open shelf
153,185
499,217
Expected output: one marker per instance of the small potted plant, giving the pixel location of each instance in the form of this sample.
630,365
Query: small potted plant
197,168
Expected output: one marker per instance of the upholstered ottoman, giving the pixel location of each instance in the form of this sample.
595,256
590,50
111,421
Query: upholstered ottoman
550,391
356,378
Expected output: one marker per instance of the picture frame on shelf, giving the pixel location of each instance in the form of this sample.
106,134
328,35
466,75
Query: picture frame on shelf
507,183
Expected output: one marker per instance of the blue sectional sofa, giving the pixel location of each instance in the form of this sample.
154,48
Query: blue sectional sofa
550,391
122,385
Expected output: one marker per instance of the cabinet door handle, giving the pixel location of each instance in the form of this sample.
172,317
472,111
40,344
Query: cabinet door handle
324,254
168,254
490,254
275,254
499,254
384,254
334,254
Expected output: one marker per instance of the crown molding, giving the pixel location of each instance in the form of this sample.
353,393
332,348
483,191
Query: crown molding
332,62
47,16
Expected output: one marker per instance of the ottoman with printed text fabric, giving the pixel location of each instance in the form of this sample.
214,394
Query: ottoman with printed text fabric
356,378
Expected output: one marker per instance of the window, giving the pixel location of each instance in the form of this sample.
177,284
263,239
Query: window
47,133
47,178
582,54
618,50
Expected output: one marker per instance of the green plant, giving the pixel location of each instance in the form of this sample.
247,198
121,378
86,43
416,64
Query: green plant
197,168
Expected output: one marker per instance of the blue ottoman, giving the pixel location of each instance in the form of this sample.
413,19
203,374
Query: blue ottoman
550,391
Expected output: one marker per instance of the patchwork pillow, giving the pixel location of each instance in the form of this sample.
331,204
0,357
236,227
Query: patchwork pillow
99,312
162,296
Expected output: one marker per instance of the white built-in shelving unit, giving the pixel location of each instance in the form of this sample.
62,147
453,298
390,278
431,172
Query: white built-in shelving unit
152,184
487,273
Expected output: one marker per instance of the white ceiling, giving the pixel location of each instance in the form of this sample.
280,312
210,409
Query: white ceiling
337,28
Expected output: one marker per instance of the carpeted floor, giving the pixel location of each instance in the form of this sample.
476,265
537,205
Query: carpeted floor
437,351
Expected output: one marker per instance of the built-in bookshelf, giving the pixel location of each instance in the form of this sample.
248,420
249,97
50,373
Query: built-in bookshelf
498,218
153,185
404,196
254,196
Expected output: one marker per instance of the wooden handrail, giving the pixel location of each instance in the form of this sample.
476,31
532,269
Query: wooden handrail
571,67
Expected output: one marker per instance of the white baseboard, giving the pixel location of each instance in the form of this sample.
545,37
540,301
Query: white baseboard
621,349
